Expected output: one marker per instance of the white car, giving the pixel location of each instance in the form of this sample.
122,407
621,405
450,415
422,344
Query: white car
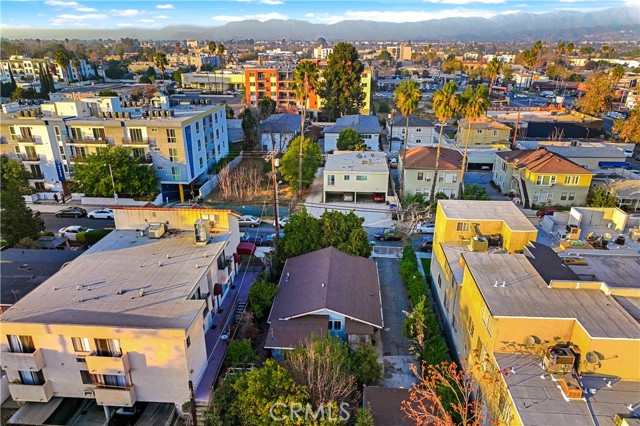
71,232
282,221
426,228
104,213
521,95
628,153
248,220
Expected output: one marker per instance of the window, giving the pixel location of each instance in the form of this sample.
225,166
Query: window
86,377
495,133
361,178
546,180
173,154
347,177
487,320
14,134
21,344
439,281
479,131
200,145
571,180
112,380
335,325
188,341
58,135
108,347
197,127
563,196
171,135
463,227
572,196
136,135
81,344
35,378
470,326
419,129
175,173
331,180
201,162
76,133
420,175
418,140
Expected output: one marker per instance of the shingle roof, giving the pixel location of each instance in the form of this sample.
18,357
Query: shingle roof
414,121
364,124
587,152
281,123
628,188
542,161
424,158
329,279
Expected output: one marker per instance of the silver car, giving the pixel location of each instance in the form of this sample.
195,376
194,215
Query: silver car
248,220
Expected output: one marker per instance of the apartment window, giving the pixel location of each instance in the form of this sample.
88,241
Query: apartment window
546,180
175,173
419,129
200,144
197,127
495,133
56,129
188,341
14,134
217,133
201,162
76,133
479,131
173,154
420,175
487,320
347,177
572,196
418,140
108,347
35,378
571,180
17,149
113,380
463,227
439,281
470,326
563,196
86,377
80,344
171,135
331,180
335,325
136,135
21,344
99,133
361,178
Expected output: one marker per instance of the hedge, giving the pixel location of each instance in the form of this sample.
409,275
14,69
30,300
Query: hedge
92,236
411,276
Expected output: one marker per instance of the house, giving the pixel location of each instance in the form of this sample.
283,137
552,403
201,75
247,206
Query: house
540,177
278,130
356,176
627,191
129,316
367,125
521,314
325,291
421,132
418,171
385,405
484,132
591,158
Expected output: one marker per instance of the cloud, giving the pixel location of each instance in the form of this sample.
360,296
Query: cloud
400,15
75,20
147,20
165,6
465,1
271,2
124,24
258,17
127,13
70,4
162,17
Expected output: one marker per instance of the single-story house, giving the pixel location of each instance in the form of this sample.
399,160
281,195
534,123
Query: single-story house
589,157
325,291
356,176
367,125
277,131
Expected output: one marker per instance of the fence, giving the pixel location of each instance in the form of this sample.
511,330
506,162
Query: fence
212,183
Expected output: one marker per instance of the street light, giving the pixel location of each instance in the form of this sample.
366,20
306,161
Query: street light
113,184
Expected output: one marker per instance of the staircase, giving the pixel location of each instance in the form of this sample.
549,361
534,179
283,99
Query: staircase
240,307
201,408
525,195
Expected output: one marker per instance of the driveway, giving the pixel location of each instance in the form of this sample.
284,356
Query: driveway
483,179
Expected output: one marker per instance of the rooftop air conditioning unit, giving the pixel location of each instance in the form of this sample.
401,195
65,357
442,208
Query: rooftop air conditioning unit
559,359
157,230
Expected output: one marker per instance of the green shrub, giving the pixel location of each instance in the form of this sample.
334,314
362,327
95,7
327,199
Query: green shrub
261,298
92,237
363,362
240,352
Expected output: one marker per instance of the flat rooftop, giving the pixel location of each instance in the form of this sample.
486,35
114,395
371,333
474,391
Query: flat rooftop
541,116
474,210
616,271
540,402
351,161
102,286
526,294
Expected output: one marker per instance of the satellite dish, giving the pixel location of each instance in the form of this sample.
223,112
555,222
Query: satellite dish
592,357
529,342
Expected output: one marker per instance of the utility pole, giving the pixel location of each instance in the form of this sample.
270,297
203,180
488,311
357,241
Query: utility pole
515,133
113,183
192,401
275,163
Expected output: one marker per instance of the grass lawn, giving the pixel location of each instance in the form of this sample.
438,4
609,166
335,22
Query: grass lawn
426,265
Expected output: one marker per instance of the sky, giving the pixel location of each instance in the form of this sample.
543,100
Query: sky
89,14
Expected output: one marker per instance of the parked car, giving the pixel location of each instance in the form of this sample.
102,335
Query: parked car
520,95
248,220
548,211
282,221
269,240
72,212
104,213
628,152
378,198
71,232
389,234
257,239
426,228
426,243
638,157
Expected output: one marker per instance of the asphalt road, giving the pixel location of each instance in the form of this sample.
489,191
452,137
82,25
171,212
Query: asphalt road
395,300
53,223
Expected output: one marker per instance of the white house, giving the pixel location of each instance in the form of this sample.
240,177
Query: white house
421,132
278,130
367,125
356,176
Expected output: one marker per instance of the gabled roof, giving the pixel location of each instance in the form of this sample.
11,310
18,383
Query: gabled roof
329,279
424,158
414,121
542,161
363,124
281,123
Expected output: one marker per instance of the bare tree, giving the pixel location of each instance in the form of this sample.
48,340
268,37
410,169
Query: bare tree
243,182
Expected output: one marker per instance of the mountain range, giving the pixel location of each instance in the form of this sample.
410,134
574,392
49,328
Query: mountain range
618,24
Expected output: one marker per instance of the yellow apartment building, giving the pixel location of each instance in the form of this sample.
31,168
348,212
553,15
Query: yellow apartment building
484,132
127,320
546,346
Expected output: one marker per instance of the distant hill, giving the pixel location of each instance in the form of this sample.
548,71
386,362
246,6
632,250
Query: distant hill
620,23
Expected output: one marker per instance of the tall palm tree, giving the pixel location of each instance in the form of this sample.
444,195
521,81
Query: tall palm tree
472,104
493,71
569,48
211,46
445,105
306,79
407,97
221,53
160,60
62,60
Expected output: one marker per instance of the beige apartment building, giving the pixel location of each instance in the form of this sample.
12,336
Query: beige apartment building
126,321
356,176
419,168
483,132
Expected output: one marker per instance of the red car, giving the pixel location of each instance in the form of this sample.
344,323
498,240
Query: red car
546,212
378,198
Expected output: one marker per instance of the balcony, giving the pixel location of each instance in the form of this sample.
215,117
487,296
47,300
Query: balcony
26,139
138,141
87,141
114,365
31,393
23,361
144,159
36,176
115,396
29,157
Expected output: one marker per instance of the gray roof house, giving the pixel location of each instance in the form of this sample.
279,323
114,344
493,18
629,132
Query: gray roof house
367,125
325,291
421,132
277,131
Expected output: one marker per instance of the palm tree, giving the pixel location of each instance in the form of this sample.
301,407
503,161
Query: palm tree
62,60
472,104
306,79
160,60
221,53
75,62
569,48
493,71
212,47
407,97
445,105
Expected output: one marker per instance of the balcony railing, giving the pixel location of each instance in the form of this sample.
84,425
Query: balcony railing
99,364
115,396
145,159
88,141
22,361
26,138
36,176
31,393
137,141
29,157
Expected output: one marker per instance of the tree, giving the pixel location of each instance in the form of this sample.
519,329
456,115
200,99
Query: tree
160,60
311,161
600,198
221,53
230,113
445,105
629,129
616,73
492,71
342,90
569,48
177,76
16,219
62,60
475,192
264,391
407,97
131,178
363,362
108,92
249,124
350,140
151,71
598,96
240,352
344,231
302,234
472,104
261,297
306,79
266,107
421,328
211,47
384,56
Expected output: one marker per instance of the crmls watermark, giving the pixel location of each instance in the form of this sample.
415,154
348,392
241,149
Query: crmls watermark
298,411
